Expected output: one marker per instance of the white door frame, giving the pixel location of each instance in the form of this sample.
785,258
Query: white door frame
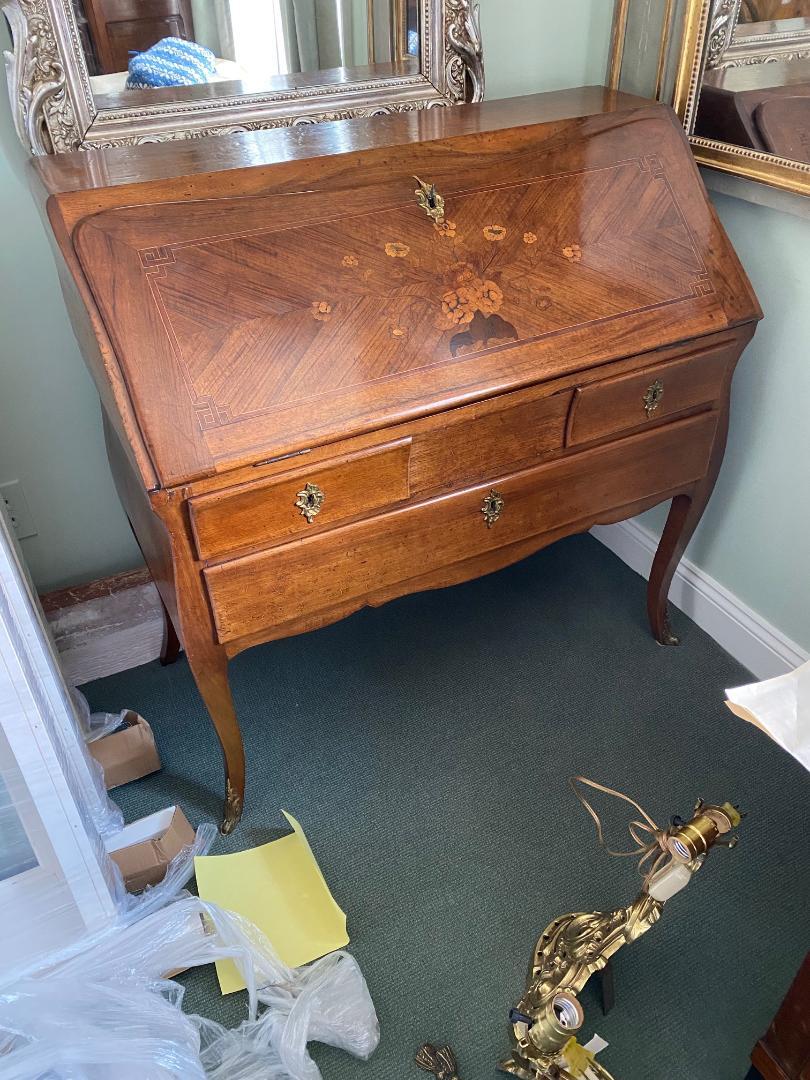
46,768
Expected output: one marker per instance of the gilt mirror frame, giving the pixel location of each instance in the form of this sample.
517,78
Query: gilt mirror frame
692,37
54,108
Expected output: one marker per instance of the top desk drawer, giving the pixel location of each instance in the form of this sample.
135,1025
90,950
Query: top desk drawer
295,503
655,393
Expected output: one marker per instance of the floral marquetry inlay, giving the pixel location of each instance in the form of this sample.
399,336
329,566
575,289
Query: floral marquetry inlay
387,293
446,229
494,232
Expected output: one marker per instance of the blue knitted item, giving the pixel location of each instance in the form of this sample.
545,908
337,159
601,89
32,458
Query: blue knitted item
172,62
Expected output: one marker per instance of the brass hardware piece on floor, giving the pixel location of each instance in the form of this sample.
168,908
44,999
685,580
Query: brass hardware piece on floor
652,397
430,200
492,507
439,1060
309,501
576,946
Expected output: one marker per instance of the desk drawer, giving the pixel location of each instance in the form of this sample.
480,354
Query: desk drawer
654,393
278,509
490,438
348,565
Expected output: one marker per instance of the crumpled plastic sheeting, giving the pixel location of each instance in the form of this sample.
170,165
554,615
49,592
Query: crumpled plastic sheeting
131,909
108,1011
327,1002
94,725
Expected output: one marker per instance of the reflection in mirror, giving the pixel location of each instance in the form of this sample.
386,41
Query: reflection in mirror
737,73
230,65
753,11
134,46
755,90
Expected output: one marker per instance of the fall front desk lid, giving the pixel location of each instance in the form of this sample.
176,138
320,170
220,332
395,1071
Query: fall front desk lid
253,327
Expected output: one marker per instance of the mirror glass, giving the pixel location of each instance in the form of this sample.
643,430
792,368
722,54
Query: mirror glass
755,89
137,52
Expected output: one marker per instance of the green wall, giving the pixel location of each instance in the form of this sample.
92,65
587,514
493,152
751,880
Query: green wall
532,45
754,538
755,534
50,426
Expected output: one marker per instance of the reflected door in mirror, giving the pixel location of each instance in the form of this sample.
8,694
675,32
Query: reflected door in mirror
119,28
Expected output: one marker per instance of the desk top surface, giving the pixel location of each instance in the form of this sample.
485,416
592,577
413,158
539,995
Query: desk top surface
275,306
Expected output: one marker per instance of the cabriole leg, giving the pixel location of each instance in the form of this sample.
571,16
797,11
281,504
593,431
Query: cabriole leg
683,518
210,672
674,539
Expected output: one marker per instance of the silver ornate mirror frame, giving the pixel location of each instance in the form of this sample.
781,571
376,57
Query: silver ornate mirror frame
732,43
54,109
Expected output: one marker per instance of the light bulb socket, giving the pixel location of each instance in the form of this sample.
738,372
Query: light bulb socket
561,1017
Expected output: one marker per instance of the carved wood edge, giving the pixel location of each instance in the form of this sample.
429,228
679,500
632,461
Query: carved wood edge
54,110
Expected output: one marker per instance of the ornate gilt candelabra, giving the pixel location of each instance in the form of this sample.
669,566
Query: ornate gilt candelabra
575,946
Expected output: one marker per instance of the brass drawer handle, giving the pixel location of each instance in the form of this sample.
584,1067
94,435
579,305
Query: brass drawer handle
309,501
430,200
492,507
652,397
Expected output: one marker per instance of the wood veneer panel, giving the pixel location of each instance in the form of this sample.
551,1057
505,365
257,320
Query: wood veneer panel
616,405
254,515
297,579
469,448
271,323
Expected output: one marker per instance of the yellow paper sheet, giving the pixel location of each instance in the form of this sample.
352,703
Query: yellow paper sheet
280,888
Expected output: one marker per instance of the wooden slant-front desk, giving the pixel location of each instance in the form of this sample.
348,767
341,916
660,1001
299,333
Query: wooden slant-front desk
318,396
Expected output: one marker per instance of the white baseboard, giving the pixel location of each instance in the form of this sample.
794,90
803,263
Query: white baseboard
749,638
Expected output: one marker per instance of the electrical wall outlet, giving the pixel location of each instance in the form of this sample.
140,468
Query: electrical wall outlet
16,507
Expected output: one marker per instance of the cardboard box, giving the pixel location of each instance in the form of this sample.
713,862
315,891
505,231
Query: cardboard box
144,849
127,754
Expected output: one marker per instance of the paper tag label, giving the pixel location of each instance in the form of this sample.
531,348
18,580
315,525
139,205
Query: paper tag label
596,1045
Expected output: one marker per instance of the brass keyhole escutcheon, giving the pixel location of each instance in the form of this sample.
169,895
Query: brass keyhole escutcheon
430,200
652,397
492,507
309,501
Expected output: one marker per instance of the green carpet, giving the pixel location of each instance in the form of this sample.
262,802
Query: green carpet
426,747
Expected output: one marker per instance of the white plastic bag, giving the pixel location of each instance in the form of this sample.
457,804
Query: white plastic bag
329,1002
326,1002
108,1011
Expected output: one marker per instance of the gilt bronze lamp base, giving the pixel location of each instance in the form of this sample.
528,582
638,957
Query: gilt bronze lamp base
574,947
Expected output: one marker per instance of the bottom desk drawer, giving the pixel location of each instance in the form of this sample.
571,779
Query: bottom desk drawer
299,579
